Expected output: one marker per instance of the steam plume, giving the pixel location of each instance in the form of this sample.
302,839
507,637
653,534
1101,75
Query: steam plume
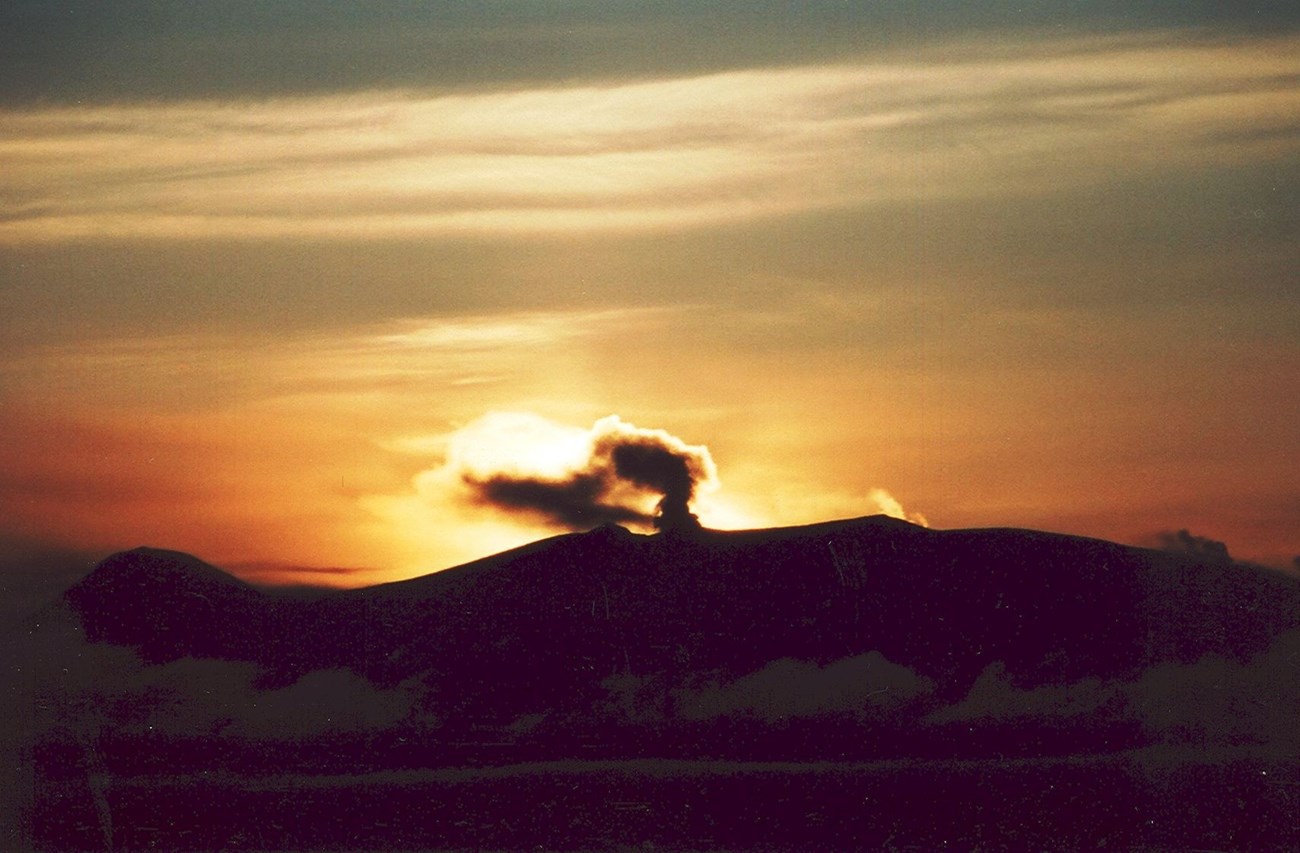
614,472
889,505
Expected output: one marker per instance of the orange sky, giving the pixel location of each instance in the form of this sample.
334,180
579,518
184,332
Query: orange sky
1013,279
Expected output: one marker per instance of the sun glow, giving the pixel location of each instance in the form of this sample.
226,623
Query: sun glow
519,443
509,478
265,328
724,512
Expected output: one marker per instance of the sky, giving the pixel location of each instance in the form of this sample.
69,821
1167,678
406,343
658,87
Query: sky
276,276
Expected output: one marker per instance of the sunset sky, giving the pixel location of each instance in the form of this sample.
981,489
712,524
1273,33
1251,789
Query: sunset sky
272,272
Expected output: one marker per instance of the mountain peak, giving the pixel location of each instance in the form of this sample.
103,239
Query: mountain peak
610,529
168,603
148,565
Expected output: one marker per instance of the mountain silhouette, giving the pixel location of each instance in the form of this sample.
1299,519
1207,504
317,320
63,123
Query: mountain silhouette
841,644
1052,608
167,604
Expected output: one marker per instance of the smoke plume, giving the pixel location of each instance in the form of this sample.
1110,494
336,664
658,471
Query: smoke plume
614,472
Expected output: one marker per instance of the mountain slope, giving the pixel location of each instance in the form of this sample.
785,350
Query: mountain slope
168,605
817,686
536,625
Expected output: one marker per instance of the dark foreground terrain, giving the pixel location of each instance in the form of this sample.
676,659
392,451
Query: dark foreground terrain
855,684
1152,801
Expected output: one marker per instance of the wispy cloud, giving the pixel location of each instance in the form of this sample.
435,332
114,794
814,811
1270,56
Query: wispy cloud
665,153
181,370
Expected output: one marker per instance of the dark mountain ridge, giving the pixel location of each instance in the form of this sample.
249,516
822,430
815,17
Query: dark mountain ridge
167,604
822,685
1052,608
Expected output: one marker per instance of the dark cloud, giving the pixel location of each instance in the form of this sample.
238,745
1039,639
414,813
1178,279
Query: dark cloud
612,474
995,698
1199,547
866,684
576,502
32,575
90,688
77,49
1219,701
1212,701
321,702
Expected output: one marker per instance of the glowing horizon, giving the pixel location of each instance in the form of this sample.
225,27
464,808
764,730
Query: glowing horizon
992,275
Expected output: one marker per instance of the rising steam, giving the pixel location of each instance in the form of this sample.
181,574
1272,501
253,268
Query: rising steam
614,472
889,505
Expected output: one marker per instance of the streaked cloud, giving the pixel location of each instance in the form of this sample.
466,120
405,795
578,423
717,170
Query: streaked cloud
179,371
666,153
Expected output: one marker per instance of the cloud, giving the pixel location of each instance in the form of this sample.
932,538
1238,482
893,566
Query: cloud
321,702
994,697
88,688
574,478
395,355
864,684
1212,701
668,153
33,574
78,49
1198,547
179,439
1220,701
